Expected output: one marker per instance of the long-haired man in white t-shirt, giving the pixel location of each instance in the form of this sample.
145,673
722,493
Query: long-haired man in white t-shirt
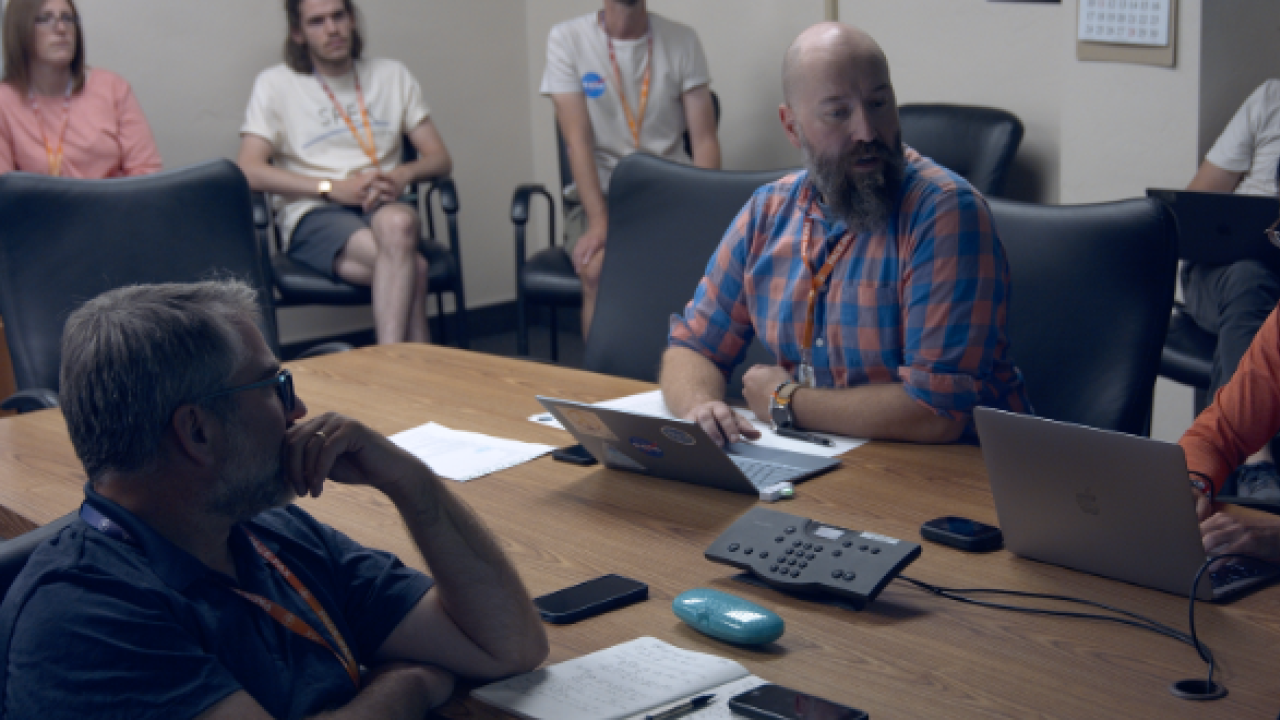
323,133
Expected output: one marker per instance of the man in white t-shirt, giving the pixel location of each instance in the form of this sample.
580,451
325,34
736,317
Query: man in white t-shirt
623,80
332,124
1234,300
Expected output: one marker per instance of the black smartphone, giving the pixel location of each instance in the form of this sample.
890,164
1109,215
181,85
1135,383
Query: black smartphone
774,702
963,533
575,454
590,598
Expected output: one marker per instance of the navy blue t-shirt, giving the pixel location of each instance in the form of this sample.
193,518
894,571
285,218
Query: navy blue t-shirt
99,627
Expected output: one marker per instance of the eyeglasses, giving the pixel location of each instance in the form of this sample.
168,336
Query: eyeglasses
50,19
1273,234
283,381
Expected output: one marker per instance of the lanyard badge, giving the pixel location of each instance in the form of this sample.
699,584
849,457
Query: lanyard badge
817,282
52,153
635,120
365,141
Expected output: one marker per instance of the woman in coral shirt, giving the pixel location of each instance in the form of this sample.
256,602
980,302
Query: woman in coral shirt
57,116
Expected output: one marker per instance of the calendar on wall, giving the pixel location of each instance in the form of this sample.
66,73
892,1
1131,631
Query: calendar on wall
1125,22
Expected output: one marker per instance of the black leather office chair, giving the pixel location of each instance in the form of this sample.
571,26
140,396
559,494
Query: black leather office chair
298,284
665,222
65,241
976,143
1092,289
1187,357
15,553
548,278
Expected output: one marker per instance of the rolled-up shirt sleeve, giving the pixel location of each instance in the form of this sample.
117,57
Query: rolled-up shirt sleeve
717,322
955,295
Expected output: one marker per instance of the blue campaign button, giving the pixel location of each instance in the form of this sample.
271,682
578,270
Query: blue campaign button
593,85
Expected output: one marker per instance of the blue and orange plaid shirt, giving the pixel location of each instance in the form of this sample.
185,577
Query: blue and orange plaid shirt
922,302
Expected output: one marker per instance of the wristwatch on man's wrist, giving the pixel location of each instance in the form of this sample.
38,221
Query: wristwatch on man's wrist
325,187
780,411
1199,482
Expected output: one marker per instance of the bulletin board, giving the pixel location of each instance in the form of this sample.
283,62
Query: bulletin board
1163,56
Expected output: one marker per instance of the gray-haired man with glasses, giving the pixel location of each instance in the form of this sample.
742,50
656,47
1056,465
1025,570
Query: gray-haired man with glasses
192,587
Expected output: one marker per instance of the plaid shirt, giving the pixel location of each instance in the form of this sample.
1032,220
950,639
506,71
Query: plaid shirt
922,302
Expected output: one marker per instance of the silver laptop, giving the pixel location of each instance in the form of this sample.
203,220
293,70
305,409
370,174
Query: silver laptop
1103,502
680,450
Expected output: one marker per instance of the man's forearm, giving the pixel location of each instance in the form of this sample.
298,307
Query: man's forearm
706,152
880,412
271,179
407,692
689,379
426,168
478,587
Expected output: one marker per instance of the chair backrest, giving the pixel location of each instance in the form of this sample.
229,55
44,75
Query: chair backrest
64,241
1092,292
665,222
562,150
976,143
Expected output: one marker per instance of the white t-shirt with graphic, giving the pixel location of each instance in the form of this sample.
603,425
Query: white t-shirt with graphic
293,112
1251,142
578,62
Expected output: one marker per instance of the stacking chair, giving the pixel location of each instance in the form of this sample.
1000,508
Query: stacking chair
548,278
298,284
65,241
665,222
976,143
1092,290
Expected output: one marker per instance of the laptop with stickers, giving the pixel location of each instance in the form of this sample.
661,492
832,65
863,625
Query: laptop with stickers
680,450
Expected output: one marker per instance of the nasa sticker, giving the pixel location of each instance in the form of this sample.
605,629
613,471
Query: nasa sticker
678,436
645,446
593,85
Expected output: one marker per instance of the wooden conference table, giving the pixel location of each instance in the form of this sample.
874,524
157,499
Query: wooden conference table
908,655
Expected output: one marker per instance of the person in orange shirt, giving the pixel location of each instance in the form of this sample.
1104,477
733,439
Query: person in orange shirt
58,116
1244,417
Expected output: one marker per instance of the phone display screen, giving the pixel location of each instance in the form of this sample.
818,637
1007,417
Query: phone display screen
601,590
775,701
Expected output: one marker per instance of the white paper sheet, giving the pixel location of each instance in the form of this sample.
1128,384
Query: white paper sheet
464,456
651,403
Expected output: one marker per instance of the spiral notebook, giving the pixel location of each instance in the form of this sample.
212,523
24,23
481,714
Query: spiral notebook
625,682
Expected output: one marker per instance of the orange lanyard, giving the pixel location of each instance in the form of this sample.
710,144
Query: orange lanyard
371,148
635,121
295,623
52,154
817,282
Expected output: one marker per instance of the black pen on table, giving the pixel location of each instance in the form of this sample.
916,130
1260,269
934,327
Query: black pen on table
681,710
806,437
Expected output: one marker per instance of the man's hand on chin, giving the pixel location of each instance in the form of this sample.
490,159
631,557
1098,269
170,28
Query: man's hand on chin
758,385
336,447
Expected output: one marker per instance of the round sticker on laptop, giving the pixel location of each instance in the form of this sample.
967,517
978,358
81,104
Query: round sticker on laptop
646,446
679,436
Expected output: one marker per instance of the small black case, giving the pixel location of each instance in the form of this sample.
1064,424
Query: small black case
963,533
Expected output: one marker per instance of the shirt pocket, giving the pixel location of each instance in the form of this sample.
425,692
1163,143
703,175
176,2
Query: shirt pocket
871,332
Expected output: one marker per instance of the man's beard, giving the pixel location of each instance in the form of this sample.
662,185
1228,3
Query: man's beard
862,199
249,484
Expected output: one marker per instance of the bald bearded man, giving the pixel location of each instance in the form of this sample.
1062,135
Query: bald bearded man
874,276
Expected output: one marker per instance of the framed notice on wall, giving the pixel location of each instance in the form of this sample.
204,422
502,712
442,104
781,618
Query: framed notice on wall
1132,31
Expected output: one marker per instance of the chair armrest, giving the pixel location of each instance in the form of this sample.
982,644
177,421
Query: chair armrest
25,401
329,348
520,203
448,194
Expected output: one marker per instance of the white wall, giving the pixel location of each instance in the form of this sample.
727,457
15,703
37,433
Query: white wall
192,66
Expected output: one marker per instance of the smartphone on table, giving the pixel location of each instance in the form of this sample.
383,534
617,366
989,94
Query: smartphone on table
575,454
590,598
774,702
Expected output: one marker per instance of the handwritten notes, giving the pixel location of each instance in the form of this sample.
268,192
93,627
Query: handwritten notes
615,684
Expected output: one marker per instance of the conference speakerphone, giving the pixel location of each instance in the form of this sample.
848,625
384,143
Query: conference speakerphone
800,555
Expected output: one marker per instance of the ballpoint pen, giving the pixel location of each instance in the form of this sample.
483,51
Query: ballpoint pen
683,709
807,437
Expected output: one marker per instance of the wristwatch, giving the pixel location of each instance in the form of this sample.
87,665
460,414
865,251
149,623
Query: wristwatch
326,187
780,406
1198,482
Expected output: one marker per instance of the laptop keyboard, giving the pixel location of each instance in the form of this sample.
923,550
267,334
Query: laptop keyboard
763,474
